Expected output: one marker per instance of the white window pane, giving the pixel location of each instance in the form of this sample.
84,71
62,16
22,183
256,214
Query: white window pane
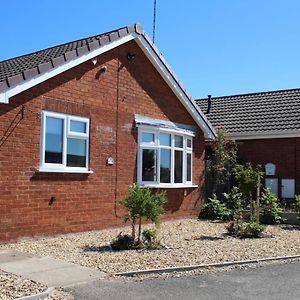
288,188
165,165
165,139
188,167
272,184
77,126
147,137
189,143
76,153
54,140
149,165
178,141
178,166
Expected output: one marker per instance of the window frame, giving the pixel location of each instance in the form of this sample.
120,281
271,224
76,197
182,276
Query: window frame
156,146
67,133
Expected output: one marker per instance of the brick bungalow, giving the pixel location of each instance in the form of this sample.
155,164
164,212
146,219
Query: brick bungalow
266,127
82,121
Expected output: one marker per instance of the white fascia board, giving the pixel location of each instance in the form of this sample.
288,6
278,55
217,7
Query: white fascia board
172,83
4,97
266,136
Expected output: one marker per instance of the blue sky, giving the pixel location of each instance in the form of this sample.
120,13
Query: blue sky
217,47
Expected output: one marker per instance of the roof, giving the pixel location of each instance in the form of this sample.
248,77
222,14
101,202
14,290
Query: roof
18,65
15,70
271,114
21,73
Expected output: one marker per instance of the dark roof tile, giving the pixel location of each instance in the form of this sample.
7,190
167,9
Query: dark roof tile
15,80
41,59
30,73
57,61
70,55
265,112
43,68
82,50
3,86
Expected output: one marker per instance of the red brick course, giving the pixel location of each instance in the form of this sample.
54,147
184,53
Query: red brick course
110,99
283,152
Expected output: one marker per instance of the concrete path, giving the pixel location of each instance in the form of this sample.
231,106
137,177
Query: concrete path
49,271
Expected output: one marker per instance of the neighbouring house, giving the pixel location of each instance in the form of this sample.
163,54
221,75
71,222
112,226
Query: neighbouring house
81,122
266,127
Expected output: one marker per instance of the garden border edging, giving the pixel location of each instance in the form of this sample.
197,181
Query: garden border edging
41,295
193,267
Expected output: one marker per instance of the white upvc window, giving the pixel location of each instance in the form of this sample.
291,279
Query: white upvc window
64,143
164,157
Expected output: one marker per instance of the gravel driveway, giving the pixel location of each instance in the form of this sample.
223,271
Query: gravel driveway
191,242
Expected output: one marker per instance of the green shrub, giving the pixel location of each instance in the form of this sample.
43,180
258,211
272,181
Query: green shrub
246,229
215,209
271,210
150,241
122,242
297,202
233,202
248,179
149,235
141,203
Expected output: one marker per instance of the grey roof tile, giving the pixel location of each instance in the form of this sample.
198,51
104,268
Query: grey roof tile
15,80
265,112
3,86
41,59
43,68
30,73
70,55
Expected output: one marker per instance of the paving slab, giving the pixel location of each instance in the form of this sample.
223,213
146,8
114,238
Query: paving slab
47,270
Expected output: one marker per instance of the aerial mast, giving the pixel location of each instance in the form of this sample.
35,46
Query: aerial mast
154,20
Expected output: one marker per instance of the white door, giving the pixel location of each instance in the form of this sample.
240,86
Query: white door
288,188
272,184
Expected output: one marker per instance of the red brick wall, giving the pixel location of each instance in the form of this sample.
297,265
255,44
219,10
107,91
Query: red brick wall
110,100
284,153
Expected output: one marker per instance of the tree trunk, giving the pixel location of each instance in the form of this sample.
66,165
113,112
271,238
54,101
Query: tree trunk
133,229
252,215
140,230
257,199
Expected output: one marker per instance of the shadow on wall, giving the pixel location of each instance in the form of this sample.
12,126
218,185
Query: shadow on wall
62,177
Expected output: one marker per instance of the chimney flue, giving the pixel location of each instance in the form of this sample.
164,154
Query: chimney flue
208,104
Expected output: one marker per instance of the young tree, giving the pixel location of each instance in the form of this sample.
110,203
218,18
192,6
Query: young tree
248,179
141,203
223,160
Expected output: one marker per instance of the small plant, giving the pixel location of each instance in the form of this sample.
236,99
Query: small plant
250,229
271,209
122,242
297,203
149,235
233,201
141,203
214,209
150,241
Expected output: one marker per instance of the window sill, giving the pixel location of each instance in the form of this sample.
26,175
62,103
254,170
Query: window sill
170,186
44,170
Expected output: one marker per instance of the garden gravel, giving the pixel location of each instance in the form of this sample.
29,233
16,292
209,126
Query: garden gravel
13,286
189,242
